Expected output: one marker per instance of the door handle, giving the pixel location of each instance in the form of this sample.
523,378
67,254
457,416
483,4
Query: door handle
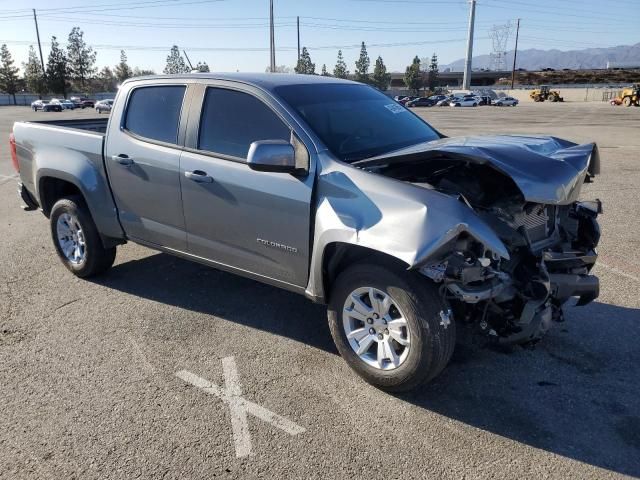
123,159
198,176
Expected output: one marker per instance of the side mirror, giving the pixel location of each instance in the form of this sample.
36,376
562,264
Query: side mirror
272,156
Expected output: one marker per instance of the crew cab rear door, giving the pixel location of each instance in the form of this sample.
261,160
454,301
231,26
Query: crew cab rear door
249,221
142,157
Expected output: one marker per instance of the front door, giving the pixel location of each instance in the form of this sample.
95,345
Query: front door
257,222
143,163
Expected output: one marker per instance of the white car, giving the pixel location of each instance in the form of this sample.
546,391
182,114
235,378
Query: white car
104,106
506,102
466,101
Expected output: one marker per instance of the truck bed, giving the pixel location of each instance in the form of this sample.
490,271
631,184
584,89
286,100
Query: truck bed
98,125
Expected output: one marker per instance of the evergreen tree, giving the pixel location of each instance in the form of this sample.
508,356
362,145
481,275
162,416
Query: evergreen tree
413,76
8,73
106,80
279,69
139,72
305,66
362,65
122,70
81,58
340,70
324,71
57,73
33,74
202,67
381,79
433,73
175,62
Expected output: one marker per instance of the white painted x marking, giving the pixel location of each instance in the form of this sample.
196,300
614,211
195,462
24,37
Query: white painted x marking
231,394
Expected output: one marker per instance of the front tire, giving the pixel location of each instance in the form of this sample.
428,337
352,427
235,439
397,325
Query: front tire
76,239
391,326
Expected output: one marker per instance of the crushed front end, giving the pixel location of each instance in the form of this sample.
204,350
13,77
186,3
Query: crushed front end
552,251
525,189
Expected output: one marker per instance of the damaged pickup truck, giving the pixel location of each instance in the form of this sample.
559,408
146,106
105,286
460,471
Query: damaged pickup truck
327,188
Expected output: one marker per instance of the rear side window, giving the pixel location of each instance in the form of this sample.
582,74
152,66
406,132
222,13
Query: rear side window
232,120
154,112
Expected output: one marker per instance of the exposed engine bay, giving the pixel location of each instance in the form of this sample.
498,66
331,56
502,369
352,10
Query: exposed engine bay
552,246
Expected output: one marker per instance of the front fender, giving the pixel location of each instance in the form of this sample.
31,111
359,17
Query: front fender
405,221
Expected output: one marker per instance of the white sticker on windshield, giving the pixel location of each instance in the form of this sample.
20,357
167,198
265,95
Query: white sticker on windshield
395,108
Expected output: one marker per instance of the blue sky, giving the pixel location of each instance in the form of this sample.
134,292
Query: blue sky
233,35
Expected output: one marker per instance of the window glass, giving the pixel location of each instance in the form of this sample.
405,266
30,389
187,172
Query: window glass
356,121
154,112
232,120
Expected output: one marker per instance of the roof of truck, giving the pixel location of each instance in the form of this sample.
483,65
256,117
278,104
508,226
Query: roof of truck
267,81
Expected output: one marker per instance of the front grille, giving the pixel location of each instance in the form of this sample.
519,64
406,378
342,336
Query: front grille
538,221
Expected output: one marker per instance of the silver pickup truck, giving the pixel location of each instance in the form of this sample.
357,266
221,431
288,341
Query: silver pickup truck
330,189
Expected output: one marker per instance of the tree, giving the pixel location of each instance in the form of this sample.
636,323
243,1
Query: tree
305,66
8,73
362,65
106,80
432,78
279,69
81,58
324,71
139,72
413,76
202,67
175,62
340,70
33,74
57,73
381,79
122,70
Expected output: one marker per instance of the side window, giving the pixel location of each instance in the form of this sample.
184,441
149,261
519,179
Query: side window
154,112
232,120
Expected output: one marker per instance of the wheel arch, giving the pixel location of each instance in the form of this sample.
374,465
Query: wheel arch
337,256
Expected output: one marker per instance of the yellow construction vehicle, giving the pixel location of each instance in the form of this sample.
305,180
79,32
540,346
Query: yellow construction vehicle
545,93
631,96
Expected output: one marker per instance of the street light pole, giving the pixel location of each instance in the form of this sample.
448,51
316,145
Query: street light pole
466,83
272,43
515,55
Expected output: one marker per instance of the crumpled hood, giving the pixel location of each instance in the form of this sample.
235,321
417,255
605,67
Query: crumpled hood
545,169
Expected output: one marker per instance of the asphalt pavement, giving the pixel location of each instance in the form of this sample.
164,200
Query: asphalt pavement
168,369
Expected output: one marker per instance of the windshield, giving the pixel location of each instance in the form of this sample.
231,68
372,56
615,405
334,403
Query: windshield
356,121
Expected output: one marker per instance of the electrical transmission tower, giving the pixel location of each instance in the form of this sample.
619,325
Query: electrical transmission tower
499,35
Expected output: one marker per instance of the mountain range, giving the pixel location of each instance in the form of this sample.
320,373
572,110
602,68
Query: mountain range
534,59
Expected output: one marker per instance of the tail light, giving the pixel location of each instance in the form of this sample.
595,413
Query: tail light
14,153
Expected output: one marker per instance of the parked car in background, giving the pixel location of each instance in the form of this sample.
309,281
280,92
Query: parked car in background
466,101
82,102
46,106
506,102
484,100
398,98
104,106
420,102
67,104
407,99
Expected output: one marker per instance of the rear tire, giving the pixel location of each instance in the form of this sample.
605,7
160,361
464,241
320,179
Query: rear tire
76,239
428,328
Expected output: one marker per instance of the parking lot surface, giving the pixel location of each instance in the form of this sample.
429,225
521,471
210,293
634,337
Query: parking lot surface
146,372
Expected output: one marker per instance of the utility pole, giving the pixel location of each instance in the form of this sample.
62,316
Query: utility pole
298,25
187,57
466,83
35,19
515,55
272,45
